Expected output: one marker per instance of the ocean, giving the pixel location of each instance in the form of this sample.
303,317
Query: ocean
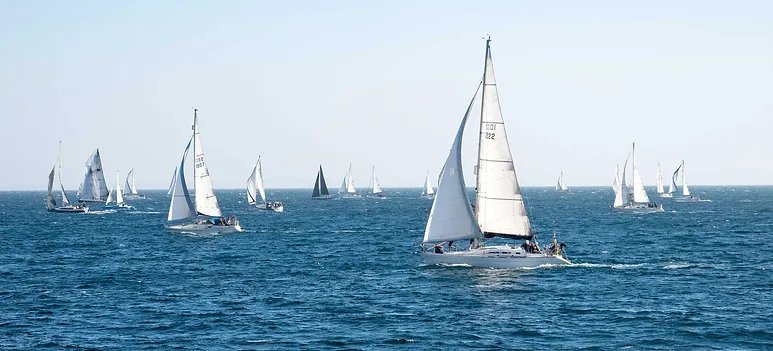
345,274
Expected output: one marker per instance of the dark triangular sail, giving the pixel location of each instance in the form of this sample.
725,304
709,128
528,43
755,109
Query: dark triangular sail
320,188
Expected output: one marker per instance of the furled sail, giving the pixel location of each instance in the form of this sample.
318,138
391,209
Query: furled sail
451,217
206,201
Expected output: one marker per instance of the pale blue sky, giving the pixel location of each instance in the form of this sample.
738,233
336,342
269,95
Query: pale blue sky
385,83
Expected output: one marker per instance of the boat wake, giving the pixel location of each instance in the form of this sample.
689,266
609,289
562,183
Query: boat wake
101,212
608,265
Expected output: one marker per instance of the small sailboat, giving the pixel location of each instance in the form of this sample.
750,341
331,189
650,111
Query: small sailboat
201,214
499,207
347,189
171,184
116,196
686,196
561,184
374,186
51,204
636,200
320,191
427,191
661,192
93,188
130,189
255,182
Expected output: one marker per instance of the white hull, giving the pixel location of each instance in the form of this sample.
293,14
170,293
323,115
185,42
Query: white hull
690,199
351,196
119,207
204,228
494,257
322,197
666,195
70,209
279,208
639,208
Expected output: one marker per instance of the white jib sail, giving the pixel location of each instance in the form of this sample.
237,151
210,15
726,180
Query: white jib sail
659,180
350,182
259,182
618,188
499,205
639,194
181,208
50,202
252,191
428,190
129,187
685,190
343,185
171,184
376,189
206,201
451,217
118,193
561,182
672,187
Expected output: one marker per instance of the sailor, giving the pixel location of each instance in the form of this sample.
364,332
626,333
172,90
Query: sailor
438,249
450,245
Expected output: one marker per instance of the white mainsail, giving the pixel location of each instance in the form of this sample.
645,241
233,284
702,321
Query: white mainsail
347,186
685,190
620,194
659,180
259,182
50,202
428,190
499,206
116,189
129,187
171,184
206,202
93,187
451,217
639,194
561,184
252,192
375,187
181,208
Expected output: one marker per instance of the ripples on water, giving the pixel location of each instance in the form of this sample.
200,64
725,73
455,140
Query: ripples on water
345,274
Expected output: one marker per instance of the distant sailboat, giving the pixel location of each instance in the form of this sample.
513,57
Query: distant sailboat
93,188
561,184
661,192
130,189
636,200
116,196
255,182
320,191
686,196
347,189
499,207
51,204
202,214
374,186
171,184
427,191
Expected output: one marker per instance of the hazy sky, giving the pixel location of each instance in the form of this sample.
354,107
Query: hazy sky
384,83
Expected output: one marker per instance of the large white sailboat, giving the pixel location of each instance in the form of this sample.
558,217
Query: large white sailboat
499,209
116,196
686,196
661,192
255,187
201,214
374,186
320,191
427,191
347,189
93,188
130,190
637,199
561,184
51,204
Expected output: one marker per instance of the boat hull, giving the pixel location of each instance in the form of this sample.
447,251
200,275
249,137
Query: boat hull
119,207
639,209
666,195
279,208
70,209
690,199
494,257
199,228
323,197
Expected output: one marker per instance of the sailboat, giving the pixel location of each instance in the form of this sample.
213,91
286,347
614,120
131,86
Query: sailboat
561,184
51,204
661,192
320,191
130,189
347,189
499,209
686,196
636,200
255,182
116,196
93,188
201,214
427,191
374,186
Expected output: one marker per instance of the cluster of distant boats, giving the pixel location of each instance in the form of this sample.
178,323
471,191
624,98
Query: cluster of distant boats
497,212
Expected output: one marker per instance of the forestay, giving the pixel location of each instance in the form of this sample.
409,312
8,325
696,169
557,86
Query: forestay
451,217
499,205
206,202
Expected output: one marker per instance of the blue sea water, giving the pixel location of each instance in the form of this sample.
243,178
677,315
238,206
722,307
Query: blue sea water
346,274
